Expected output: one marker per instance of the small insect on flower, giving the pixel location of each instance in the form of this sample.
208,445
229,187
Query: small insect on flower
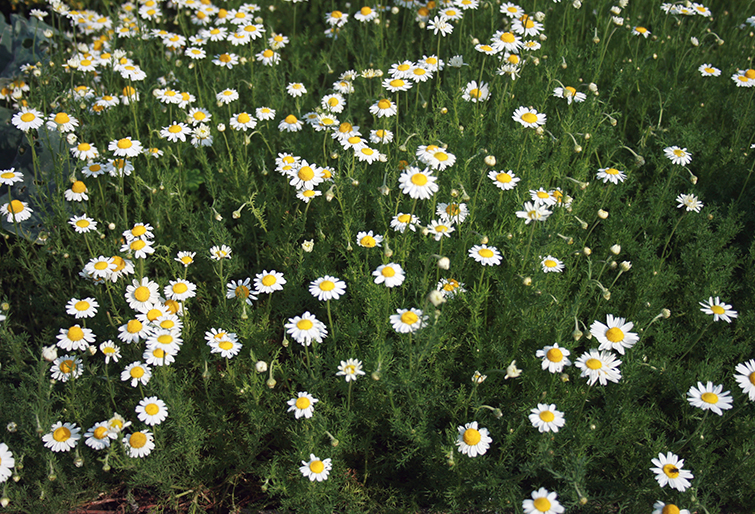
719,310
668,471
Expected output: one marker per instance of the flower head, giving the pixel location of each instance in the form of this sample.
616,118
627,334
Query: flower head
302,405
315,469
668,471
678,155
614,335
350,369
473,440
62,437
709,397
719,310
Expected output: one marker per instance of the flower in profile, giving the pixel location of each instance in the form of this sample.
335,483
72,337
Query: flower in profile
478,378
533,212
690,202
668,471
62,437
554,358
745,377
528,117
269,281
473,440
602,366
17,211
66,367
139,444
97,437
552,265
350,369
708,70
77,193
440,229
709,397
614,335
719,310
476,93
485,255
10,176
663,508
327,288
570,94
316,469
641,31
369,240
678,155
391,274
504,180
526,26
542,502
302,405
306,328
611,175
546,418
290,124
408,320
111,351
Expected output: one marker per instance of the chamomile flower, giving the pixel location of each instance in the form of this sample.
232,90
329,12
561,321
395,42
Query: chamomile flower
396,85
134,330
220,252
709,397
227,96
439,229
101,267
185,258
473,440
678,155
402,221
381,136
336,18
450,287
611,175
137,373
418,184
439,24
366,14
369,240
290,124
408,320
600,366
708,70
268,57
316,469
85,308
641,31
306,328
546,418
542,502
66,367
75,338
125,147
504,180
269,281
62,122
554,358
533,212
302,405
62,437
542,197
265,113
391,275
552,265
668,471
350,369
157,357
485,255
142,295
27,119
116,424
662,508
243,121
240,289
327,288
334,103
506,41
690,202
528,117
180,290
152,411
615,334
96,437
17,211
476,93
569,94
511,10
718,309
139,444
77,193
169,340
745,377
525,25
226,60
10,176
111,351
307,176
85,151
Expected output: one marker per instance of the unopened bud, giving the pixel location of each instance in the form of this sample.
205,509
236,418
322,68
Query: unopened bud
665,313
577,335
577,149
539,16
602,214
436,298
694,41
586,250
606,295
5,501
260,366
388,252
576,4
375,375
484,240
614,264
490,160
444,111
444,263
527,281
625,266
615,249
11,427
52,477
271,383
583,501
78,462
564,377
355,182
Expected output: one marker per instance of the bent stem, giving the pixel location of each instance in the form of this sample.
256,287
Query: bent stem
700,336
668,240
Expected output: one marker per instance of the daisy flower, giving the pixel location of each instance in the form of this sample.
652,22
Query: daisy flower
137,373
709,397
141,295
116,424
327,288
85,151
152,411
438,159
139,444
440,229
391,274
504,180
169,340
369,240
383,108
265,113
708,70
599,366
554,358
227,96
62,122
396,85
307,177
316,469
350,369
125,147
306,328
506,41
180,290
17,211
290,124
402,221
528,117
475,93
408,320
381,136
485,255
690,202
418,184
662,508
185,258
27,119
511,10
472,440
226,60
611,175
450,287
10,176
111,351
243,122
546,418
134,330
334,103
75,338
157,357
77,193
746,378
542,502
96,437
85,308
678,155
542,197
641,31
268,57
719,310
452,212
533,212
220,252
269,281
668,471
552,265
570,94
62,437
439,24
139,247
366,14
526,26
66,367
302,405
7,462
240,289
614,335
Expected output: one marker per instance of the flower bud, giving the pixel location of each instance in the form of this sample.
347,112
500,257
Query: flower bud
260,366
577,335
577,4
490,160
527,281
436,298
666,313
484,240
394,10
5,501
539,16
50,353
602,214
593,87
52,477
444,111
71,138
284,343
308,245
78,462
616,249
355,182
606,295
694,41
444,263
271,383
564,377
388,252
616,10
613,264
583,501
625,266
586,250
11,427
577,149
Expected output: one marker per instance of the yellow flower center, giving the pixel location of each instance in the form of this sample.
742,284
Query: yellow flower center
81,305
671,471
15,207
153,314
594,363
327,285
547,416
75,333
513,59
750,74
62,118
441,228
244,118
343,128
138,244
302,403
158,352
419,179
396,83
134,326
409,318
368,241
528,117
167,324
94,168
152,409
309,193
336,14
717,309
306,173
250,28
366,11
317,466
569,91
8,174
550,263
542,504
615,335
333,101
670,509
137,372
641,30
224,58
186,260
290,119
225,345
241,292
554,355
80,223
165,339
388,272
27,117
101,265
267,53
142,293
419,71
503,178
367,151
472,436
66,366
709,397
304,324
384,104
124,144
174,129
137,440
508,37
99,433
486,253
61,434
752,378
354,140
475,93
268,280
543,194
